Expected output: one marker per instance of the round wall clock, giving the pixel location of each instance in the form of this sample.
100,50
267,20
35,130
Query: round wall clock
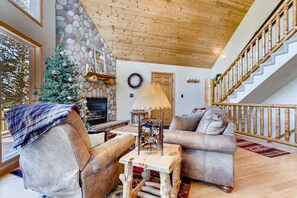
135,80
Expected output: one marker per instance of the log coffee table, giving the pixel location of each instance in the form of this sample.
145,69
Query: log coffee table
152,160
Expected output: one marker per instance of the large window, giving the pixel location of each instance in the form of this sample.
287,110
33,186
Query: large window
32,8
18,59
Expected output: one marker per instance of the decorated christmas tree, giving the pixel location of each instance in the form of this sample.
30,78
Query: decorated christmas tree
61,82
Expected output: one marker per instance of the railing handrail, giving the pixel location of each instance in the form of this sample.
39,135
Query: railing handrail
266,28
258,34
271,122
291,106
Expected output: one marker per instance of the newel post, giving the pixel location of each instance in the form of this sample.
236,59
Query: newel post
209,92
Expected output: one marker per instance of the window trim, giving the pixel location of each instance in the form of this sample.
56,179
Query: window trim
28,14
12,162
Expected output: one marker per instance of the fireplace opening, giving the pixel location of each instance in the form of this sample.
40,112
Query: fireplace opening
98,110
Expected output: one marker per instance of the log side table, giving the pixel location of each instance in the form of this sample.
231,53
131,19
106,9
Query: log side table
170,162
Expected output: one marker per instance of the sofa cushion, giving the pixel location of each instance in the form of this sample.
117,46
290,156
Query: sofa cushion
185,123
213,122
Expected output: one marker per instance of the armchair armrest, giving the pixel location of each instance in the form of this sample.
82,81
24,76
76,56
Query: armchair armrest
109,151
199,141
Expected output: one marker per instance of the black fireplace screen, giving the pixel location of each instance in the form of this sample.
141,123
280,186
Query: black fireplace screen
98,110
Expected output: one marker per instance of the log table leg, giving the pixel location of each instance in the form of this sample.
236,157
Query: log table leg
176,179
165,185
146,175
126,179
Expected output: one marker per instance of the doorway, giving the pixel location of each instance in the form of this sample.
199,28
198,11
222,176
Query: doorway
166,81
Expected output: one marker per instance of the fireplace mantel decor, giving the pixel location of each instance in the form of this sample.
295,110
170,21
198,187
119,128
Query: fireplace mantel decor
95,77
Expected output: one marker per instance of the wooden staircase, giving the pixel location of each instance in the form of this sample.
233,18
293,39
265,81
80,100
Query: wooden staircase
271,122
279,28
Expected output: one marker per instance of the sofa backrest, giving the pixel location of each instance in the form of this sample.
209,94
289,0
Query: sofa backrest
212,121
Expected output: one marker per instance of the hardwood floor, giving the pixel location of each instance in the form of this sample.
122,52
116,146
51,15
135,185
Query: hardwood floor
256,176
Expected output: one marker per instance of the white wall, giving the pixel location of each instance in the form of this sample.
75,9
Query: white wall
252,21
193,93
285,95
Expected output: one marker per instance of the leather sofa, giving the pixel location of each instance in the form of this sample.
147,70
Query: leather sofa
62,163
208,143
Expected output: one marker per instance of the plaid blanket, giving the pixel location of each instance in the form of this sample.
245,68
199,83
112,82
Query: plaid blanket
28,122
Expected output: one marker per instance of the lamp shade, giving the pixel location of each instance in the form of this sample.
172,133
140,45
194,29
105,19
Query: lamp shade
150,97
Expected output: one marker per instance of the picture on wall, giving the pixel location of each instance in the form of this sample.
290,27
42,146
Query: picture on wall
100,66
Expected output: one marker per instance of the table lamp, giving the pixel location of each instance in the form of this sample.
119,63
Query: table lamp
151,97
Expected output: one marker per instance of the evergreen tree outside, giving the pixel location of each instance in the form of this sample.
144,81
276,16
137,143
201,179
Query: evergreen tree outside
14,68
23,4
61,82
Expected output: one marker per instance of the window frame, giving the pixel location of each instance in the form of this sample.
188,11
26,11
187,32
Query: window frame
39,22
36,58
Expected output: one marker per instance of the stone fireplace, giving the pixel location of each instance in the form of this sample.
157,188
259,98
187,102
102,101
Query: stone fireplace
80,38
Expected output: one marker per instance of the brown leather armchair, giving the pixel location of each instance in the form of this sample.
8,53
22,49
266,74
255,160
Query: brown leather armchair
62,163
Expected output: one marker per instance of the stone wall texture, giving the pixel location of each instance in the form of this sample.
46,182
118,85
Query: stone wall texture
81,37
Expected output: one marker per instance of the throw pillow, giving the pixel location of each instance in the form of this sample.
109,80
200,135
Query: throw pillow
185,123
214,121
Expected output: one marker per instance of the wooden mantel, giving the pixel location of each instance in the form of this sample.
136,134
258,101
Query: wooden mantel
95,77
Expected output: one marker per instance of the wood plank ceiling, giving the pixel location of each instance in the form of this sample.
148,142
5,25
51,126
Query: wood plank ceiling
176,32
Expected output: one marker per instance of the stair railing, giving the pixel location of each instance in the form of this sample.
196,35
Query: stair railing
279,27
271,122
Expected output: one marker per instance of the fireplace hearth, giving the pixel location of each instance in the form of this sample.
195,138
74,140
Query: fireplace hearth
98,110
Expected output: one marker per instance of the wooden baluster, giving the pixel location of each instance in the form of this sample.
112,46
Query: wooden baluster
263,43
287,124
277,29
236,73
227,82
232,115
217,87
269,122
237,118
295,125
232,77
242,119
227,111
248,119
257,51
286,20
270,37
295,15
238,70
218,93
221,90
251,56
261,120
214,93
241,68
255,128
246,62
224,88
278,133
